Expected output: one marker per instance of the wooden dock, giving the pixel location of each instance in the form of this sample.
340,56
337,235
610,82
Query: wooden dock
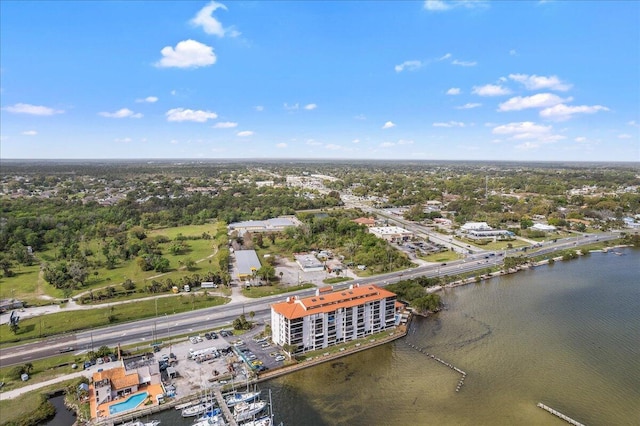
559,414
224,407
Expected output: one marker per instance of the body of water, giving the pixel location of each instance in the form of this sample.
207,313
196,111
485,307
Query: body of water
566,335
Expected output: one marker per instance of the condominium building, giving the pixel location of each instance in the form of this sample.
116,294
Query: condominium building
332,317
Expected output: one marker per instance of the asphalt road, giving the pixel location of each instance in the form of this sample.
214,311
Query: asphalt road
161,328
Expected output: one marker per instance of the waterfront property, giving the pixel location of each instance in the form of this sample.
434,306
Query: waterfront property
132,382
332,317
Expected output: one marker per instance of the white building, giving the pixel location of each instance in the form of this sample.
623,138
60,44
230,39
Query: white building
475,226
332,317
542,227
391,233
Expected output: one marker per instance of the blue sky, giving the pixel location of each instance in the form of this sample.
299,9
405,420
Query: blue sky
434,80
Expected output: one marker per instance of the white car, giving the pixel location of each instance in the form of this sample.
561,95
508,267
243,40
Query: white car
280,358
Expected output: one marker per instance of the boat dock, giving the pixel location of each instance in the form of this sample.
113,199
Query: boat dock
451,366
559,414
224,407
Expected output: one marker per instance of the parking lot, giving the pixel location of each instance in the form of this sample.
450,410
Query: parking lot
223,358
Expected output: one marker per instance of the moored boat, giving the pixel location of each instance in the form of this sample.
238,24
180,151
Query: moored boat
141,423
237,397
196,410
262,421
246,410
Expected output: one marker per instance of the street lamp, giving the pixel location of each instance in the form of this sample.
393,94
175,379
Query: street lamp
168,334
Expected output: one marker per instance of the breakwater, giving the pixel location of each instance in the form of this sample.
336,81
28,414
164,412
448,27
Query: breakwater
451,366
559,415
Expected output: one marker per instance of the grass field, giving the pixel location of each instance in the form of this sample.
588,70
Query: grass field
65,322
29,285
270,290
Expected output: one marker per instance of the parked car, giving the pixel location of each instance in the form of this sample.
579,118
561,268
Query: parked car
207,336
280,358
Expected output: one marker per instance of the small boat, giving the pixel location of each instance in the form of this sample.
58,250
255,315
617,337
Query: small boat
216,420
141,423
212,413
196,410
246,410
237,397
262,421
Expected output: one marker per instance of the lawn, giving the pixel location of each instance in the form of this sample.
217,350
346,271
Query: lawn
270,290
29,285
444,256
64,322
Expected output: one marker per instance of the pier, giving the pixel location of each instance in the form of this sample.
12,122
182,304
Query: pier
451,366
224,407
559,414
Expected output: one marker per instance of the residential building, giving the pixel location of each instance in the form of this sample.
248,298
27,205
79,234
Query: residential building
332,317
366,221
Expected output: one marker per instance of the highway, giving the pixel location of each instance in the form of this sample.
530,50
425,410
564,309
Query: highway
161,328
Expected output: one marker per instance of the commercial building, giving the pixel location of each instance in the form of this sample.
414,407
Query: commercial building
332,317
393,234
270,225
247,263
542,227
308,262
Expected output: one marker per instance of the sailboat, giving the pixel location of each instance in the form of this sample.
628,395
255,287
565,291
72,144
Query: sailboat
246,410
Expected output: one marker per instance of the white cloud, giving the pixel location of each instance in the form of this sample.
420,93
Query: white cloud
310,107
454,91
436,5
530,135
122,140
182,114
174,92
174,141
187,54
355,141
204,18
449,124
513,52
360,117
32,109
121,113
388,125
469,105
313,142
444,5
490,90
245,133
225,125
281,145
624,136
580,139
540,100
522,130
333,147
409,66
399,142
538,82
444,57
148,99
259,108
562,112
633,123
292,107
464,63
29,133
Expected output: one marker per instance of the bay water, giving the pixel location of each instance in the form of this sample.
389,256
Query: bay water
566,335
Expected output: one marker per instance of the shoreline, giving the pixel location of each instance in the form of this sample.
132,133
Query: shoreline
394,334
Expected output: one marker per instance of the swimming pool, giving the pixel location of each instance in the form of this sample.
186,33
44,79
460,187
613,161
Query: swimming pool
129,404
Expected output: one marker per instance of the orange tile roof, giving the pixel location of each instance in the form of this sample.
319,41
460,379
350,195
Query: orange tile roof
111,374
125,382
328,302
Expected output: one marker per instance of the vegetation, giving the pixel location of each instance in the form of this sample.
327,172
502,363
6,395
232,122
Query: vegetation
413,292
63,322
